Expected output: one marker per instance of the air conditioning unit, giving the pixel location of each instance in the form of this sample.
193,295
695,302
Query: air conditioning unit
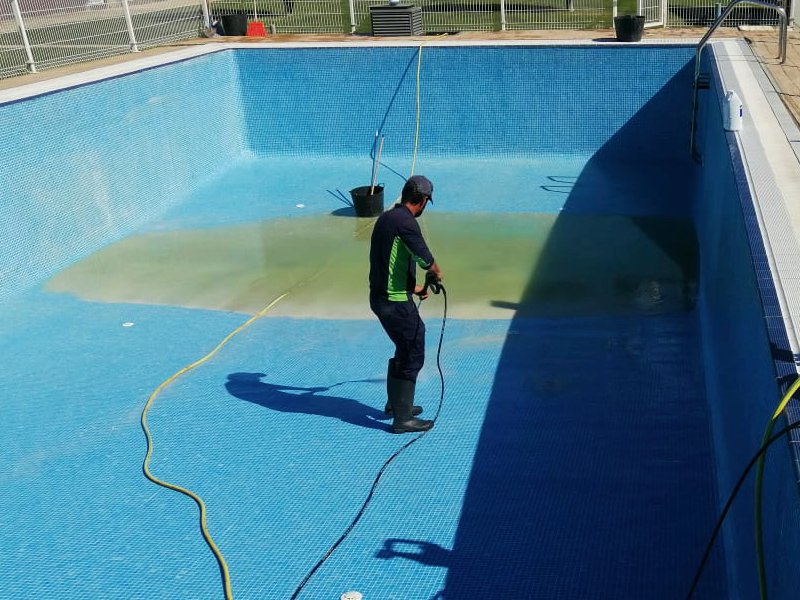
394,20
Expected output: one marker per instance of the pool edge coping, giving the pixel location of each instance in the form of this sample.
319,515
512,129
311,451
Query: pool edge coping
774,243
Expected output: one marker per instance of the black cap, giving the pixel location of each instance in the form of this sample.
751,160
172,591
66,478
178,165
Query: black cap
418,185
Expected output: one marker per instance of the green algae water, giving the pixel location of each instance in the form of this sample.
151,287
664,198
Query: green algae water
495,266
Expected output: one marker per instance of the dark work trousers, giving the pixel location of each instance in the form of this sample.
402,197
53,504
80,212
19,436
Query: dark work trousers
405,328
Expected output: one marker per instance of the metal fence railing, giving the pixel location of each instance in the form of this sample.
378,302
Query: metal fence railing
439,16
12,53
291,16
156,22
691,13
60,32
40,34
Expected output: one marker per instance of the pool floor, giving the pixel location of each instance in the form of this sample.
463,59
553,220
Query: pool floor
572,457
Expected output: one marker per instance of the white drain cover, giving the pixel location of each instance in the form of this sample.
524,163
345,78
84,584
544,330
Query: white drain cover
352,596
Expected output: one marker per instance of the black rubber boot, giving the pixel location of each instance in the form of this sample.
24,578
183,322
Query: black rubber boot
415,410
402,399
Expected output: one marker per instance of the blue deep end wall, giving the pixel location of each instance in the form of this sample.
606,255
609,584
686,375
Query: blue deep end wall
520,106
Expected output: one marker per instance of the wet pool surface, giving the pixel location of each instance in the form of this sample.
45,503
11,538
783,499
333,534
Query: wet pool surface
571,459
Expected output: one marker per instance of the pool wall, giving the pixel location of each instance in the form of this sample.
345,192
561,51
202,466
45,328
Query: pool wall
516,104
88,165
85,166
748,360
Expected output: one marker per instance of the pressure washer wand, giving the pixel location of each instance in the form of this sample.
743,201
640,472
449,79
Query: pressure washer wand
432,282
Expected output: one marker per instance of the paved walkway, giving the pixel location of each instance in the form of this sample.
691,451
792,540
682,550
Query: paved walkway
785,77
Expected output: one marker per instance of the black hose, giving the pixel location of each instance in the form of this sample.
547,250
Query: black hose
728,504
386,464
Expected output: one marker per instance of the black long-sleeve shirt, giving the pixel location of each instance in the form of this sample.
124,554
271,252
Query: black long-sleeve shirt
396,248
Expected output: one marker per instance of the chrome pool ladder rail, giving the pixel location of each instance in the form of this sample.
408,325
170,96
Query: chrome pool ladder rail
696,84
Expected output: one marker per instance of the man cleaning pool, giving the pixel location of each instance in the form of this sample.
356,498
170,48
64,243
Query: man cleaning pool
396,248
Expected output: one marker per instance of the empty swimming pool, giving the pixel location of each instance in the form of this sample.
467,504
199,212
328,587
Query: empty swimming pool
591,424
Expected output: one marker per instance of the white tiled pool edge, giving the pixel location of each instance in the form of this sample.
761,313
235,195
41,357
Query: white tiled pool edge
769,144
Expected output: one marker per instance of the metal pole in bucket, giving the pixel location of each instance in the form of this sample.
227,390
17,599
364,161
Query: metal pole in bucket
375,164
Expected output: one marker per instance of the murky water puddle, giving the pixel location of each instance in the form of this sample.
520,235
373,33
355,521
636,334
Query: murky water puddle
495,266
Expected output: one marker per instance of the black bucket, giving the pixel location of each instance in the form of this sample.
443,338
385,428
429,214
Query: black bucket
366,204
234,24
629,28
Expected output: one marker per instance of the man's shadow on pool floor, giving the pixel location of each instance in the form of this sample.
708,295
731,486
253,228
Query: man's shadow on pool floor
291,399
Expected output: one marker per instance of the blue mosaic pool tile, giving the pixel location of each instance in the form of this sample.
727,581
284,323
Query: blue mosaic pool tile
551,427
518,81
105,167
761,265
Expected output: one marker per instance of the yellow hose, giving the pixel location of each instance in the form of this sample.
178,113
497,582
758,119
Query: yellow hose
171,486
416,129
418,119
762,570
223,565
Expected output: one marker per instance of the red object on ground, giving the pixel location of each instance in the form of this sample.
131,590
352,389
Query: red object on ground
256,29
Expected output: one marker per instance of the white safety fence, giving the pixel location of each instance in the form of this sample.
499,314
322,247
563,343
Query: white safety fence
448,16
291,16
439,16
692,13
12,54
41,34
